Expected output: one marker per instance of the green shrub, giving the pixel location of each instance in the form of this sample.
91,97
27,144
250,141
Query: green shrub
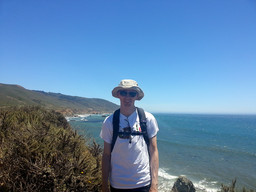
40,152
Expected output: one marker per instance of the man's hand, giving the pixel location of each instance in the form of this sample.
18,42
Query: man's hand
105,189
153,188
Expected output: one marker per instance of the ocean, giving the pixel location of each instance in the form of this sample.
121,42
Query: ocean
209,150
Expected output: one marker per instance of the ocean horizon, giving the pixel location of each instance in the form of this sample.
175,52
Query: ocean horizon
209,149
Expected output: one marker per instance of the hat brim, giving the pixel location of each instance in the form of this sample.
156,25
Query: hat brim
137,89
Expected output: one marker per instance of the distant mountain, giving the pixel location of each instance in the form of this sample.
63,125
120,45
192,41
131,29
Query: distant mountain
15,95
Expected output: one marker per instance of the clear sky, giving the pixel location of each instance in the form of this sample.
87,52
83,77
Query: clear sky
188,56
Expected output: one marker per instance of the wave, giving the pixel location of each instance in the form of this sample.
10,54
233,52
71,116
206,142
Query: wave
167,180
162,173
207,186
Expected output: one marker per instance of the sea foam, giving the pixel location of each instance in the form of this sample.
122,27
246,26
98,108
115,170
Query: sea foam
166,182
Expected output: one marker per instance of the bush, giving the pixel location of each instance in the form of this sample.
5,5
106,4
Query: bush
232,188
40,152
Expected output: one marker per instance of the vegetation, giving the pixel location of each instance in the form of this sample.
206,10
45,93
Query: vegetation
15,95
232,188
40,152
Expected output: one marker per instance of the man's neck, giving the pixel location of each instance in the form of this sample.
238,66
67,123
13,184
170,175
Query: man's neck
127,111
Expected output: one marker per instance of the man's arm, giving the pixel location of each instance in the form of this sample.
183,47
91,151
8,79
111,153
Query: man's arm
154,164
106,158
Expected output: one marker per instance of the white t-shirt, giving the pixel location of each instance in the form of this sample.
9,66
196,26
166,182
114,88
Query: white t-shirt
130,166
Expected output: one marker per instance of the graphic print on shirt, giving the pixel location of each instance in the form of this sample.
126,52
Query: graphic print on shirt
137,127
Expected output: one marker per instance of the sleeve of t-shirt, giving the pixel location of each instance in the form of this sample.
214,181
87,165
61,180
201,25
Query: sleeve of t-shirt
152,126
107,130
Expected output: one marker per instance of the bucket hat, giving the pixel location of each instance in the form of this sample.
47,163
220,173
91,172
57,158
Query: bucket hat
128,84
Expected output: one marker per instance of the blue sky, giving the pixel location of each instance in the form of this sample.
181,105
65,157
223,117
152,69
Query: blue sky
188,56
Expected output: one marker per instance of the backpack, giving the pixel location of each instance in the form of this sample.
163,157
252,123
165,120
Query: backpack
143,125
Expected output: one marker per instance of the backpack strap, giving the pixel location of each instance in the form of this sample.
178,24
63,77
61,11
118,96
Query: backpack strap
115,127
143,125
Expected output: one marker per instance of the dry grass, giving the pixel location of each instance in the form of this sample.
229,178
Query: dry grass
232,188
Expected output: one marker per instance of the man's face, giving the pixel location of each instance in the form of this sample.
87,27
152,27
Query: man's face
127,97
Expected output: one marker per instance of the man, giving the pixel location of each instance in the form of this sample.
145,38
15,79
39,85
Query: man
131,165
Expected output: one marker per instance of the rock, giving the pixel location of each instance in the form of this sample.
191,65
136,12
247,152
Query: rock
182,184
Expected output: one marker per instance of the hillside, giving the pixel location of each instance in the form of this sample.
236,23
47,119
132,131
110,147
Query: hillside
15,95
